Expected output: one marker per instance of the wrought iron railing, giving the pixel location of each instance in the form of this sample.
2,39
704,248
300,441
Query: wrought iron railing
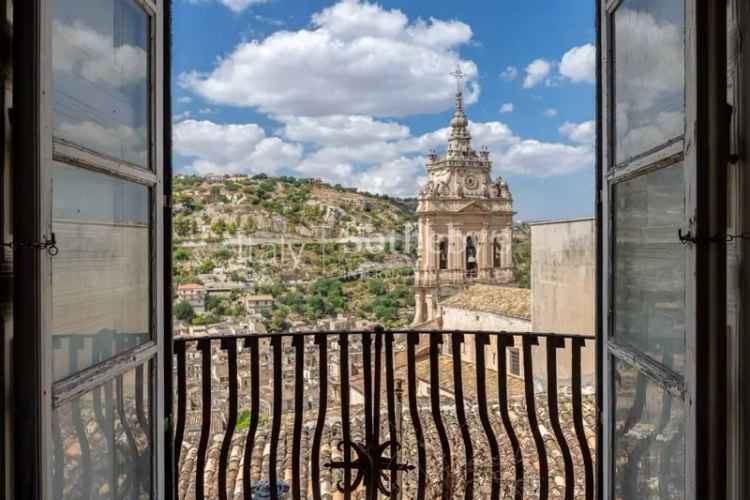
298,415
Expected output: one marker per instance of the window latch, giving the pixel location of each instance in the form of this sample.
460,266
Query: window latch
688,238
49,245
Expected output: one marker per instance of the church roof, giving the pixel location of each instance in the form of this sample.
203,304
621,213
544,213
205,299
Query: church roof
507,301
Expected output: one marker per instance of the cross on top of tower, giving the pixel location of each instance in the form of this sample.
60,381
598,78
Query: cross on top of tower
459,76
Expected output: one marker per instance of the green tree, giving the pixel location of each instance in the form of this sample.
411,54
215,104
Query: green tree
522,263
207,319
376,287
279,319
219,227
182,254
213,302
184,311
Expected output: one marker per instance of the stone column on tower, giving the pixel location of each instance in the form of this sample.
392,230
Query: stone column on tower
485,253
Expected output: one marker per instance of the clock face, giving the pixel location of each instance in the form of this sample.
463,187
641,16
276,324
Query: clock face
471,182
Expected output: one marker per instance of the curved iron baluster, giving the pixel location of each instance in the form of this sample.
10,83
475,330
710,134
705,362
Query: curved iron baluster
630,481
179,350
504,341
392,437
528,376
204,346
76,344
668,452
276,419
99,415
322,341
139,399
411,362
458,391
583,443
345,423
372,483
376,389
639,402
134,455
252,343
229,345
58,475
554,343
299,375
435,341
481,340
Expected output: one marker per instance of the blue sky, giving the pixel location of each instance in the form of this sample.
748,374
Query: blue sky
356,92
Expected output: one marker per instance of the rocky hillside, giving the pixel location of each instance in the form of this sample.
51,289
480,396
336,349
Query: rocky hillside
214,208
321,251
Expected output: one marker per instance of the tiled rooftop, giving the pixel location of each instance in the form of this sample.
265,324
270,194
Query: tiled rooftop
507,301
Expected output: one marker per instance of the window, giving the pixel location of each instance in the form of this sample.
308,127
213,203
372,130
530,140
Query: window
650,180
101,71
443,254
100,318
101,278
471,258
515,361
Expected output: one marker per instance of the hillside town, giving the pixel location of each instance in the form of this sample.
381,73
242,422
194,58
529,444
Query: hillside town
295,263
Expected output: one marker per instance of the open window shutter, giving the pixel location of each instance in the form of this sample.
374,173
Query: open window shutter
661,99
91,336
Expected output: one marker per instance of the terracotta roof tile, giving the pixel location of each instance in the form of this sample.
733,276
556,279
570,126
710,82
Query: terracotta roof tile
507,301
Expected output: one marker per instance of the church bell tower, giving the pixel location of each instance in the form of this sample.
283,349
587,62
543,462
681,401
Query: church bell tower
465,221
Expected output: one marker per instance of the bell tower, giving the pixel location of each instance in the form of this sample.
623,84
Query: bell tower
465,220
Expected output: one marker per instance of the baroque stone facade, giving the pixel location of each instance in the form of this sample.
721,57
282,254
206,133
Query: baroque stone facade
465,222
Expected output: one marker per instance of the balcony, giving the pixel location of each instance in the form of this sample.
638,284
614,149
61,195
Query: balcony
372,414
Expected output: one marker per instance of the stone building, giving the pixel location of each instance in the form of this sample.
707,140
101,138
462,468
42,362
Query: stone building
465,222
563,288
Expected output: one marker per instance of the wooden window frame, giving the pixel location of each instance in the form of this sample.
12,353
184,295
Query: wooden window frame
36,393
705,312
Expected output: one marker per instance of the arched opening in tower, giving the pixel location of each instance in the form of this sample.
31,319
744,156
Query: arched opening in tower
471,258
497,253
443,254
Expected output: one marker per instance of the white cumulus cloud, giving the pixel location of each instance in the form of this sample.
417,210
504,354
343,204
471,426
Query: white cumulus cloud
357,59
550,112
85,53
582,133
536,72
579,64
507,107
341,130
232,148
233,5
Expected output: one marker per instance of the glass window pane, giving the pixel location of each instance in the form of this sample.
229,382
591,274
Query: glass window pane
100,59
102,441
649,280
649,75
649,438
101,277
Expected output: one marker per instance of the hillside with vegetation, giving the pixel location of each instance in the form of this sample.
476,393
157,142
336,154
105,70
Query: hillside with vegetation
320,250
214,209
